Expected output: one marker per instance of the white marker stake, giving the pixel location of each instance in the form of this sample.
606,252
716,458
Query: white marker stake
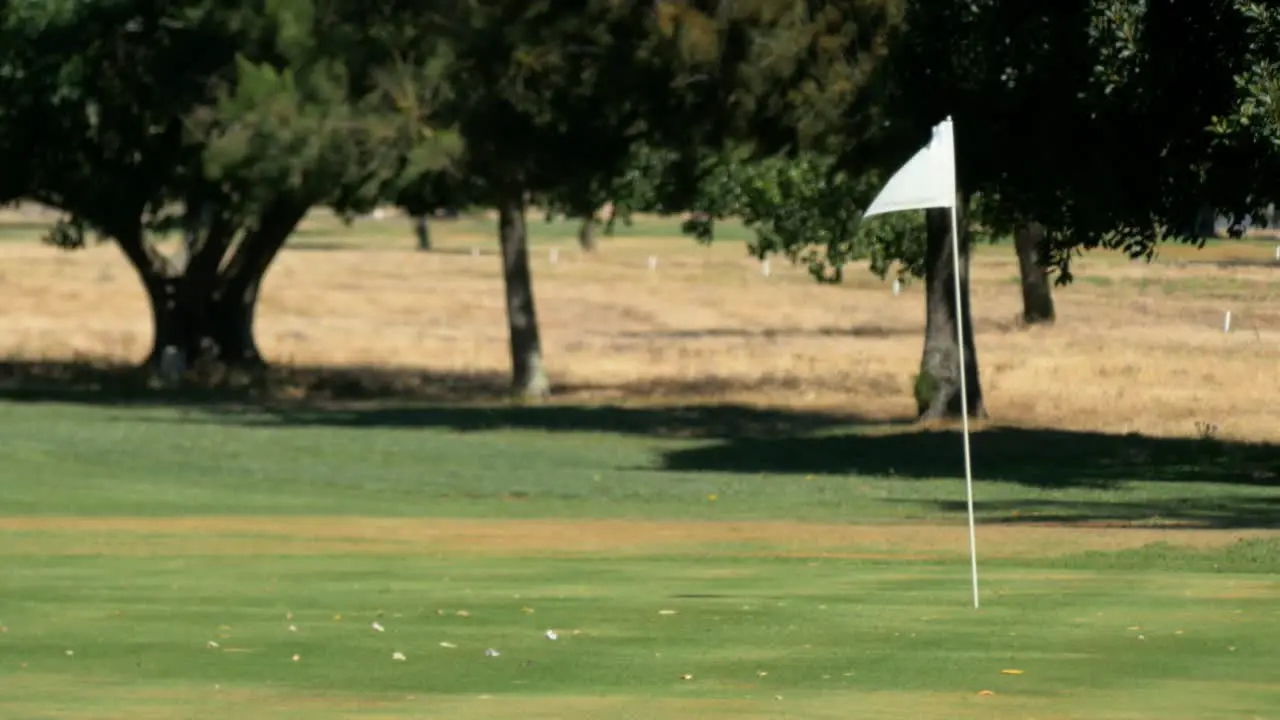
764,267
554,255
897,287
1278,253
475,252
1226,322
653,262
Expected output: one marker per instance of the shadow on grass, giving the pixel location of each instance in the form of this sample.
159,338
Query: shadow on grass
1070,476
389,398
1254,511
1041,458
1074,477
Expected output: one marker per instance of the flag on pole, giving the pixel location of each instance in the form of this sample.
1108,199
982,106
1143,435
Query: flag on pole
928,180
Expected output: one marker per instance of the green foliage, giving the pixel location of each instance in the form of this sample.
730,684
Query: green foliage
602,101
1250,130
807,209
225,120
1090,118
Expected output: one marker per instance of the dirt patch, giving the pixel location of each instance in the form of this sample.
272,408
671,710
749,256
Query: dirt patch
326,535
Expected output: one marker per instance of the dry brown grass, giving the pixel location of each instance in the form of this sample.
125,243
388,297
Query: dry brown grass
1138,348
453,537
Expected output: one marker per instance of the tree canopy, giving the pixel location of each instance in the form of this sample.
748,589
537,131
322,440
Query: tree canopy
230,120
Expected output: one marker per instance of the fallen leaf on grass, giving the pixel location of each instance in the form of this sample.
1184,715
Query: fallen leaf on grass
398,656
666,612
463,613
212,644
686,676
296,658
293,628
1011,672
985,692
491,653
551,635
447,645
526,610
377,626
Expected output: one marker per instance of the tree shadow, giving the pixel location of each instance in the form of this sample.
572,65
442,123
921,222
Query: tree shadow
372,397
1252,510
1071,476
1040,458
1075,477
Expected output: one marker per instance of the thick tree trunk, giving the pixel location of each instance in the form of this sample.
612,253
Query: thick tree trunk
194,326
1206,222
231,327
587,235
204,310
423,231
938,384
178,325
528,376
1037,293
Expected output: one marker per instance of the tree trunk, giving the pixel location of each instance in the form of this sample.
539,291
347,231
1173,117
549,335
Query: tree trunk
1037,294
231,327
204,309
235,301
937,388
423,231
193,325
178,325
1206,222
587,235
528,376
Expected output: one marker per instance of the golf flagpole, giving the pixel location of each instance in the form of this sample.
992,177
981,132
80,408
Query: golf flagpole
964,401
928,180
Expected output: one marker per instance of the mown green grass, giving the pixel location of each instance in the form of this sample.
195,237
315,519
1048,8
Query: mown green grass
597,463
122,630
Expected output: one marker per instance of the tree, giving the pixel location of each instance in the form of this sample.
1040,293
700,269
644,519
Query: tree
1075,129
1250,130
552,100
264,114
1084,122
1037,295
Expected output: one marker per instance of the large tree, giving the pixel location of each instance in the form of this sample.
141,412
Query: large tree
1078,125
552,100
228,120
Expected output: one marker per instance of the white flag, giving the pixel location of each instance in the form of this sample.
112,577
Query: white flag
928,180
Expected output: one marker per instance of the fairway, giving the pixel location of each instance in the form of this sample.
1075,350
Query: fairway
183,581
724,513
